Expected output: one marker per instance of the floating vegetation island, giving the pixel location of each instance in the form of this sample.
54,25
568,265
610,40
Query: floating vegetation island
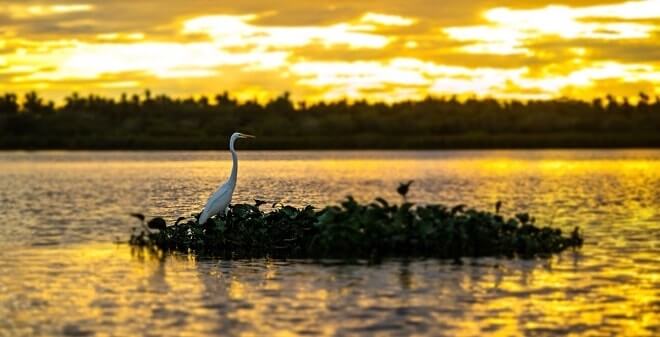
357,231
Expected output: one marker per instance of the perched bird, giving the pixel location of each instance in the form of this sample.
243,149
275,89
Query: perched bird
219,200
258,202
157,223
498,205
458,208
138,216
403,188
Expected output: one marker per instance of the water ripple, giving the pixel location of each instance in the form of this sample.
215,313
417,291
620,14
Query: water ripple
61,275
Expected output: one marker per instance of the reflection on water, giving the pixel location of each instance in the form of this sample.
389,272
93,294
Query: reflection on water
60,273
110,289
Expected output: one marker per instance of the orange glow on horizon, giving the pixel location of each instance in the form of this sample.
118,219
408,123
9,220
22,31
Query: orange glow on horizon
366,52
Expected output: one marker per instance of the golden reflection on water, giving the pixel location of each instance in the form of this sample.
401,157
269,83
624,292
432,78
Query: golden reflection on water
103,288
108,289
58,276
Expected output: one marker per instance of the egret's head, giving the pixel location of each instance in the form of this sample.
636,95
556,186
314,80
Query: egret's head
237,135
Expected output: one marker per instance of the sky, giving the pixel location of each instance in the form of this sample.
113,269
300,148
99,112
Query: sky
327,50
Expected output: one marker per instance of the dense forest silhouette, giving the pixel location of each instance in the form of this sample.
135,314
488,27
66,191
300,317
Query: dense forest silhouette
162,122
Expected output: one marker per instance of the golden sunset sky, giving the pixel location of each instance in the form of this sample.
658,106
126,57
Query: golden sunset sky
378,50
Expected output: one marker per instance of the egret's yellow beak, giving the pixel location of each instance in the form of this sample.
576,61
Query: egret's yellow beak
247,136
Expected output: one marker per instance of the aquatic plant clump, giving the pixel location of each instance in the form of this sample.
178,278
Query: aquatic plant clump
354,230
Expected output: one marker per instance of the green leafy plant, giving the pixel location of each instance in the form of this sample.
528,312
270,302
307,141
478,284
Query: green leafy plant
352,230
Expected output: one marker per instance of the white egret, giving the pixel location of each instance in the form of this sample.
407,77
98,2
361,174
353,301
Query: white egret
219,200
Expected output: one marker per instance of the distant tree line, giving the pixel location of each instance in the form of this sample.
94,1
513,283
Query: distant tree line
163,122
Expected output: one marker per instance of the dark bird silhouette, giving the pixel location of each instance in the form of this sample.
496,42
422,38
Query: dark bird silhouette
157,223
498,205
258,202
403,188
179,220
138,216
458,208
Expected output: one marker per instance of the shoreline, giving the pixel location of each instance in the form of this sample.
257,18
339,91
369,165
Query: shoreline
341,142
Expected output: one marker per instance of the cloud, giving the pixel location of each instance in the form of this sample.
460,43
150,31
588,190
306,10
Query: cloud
358,79
24,11
236,31
367,49
508,30
261,47
162,60
387,20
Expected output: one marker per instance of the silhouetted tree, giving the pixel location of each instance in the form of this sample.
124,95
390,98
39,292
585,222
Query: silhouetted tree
8,104
33,103
160,121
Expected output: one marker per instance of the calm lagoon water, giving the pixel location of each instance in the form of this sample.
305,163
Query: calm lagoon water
61,274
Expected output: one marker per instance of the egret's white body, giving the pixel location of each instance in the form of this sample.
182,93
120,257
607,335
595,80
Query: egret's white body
221,198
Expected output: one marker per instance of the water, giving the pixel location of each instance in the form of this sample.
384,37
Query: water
62,275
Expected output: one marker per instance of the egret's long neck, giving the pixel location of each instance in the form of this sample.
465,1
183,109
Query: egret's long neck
234,157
